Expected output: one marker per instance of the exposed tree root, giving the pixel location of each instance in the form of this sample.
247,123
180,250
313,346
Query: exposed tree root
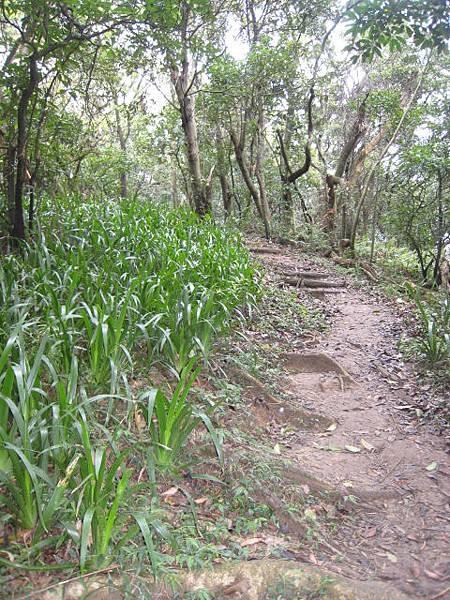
307,282
266,579
365,267
296,362
252,580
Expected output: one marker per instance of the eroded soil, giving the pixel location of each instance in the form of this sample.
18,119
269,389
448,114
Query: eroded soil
396,471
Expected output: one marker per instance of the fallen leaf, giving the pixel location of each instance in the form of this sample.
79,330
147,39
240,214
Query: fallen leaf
432,575
277,449
139,420
310,514
252,542
415,570
332,427
201,500
8,555
432,466
370,533
170,492
354,449
365,444
391,557
329,448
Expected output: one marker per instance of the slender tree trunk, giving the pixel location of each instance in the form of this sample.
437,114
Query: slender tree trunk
259,172
385,150
9,172
330,219
254,191
183,84
187,108
174,187
31,207
222,154
287,200
123,146
437,276
288,176
18,230
226,195
287,207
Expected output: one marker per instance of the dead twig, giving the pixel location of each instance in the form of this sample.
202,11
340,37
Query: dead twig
66,581
440,594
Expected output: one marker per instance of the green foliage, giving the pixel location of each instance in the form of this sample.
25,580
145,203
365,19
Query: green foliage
101,495
30,435
375,24
172,420
434,340
102,281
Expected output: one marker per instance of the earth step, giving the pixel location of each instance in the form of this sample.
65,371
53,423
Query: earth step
318,292
305,274
311,283
265,250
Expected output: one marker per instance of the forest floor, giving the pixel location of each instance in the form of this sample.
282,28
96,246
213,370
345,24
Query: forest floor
338,411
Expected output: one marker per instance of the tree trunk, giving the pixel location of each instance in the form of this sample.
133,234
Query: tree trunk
174,187
287,207
288,176
330,219
437,275
226,195
123,146
18,230
223,153
9,171
187,108
123,185
186,100
259,173
31,207
254,192
385,150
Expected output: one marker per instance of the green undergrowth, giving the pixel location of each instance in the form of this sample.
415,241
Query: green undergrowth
90,442
396,263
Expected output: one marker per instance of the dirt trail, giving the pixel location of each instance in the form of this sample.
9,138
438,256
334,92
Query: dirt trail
398,470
